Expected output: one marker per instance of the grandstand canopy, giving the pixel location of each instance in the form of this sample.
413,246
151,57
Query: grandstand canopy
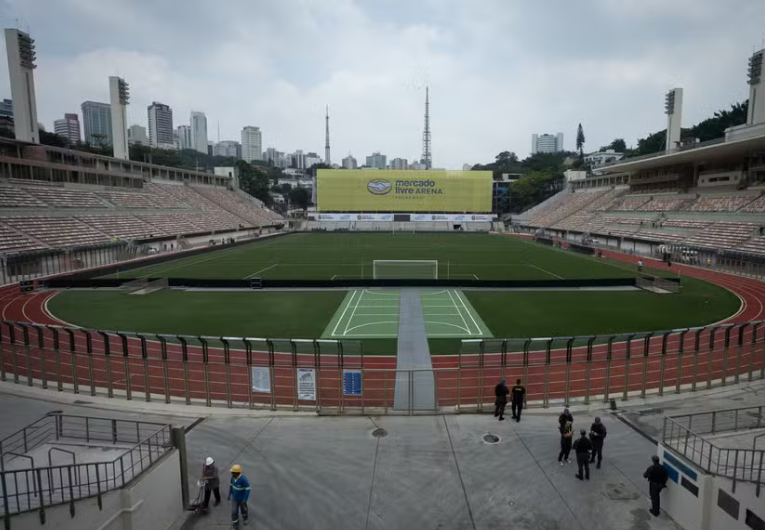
714,151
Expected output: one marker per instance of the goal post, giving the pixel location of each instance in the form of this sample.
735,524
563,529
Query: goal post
405,269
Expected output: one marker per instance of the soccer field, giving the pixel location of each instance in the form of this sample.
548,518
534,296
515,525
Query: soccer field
351,255
372,315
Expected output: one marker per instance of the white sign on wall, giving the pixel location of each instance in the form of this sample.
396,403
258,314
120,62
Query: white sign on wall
306,384
261,379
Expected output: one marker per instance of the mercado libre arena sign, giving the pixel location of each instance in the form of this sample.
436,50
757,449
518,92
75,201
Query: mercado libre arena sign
369,190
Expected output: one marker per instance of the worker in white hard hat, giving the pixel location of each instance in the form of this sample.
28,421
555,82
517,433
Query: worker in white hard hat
213,482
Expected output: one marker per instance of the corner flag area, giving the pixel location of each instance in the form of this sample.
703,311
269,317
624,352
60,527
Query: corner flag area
374,313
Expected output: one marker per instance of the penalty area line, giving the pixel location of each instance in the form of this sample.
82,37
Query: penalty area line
258,272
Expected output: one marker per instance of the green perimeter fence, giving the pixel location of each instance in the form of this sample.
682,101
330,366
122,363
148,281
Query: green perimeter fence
335,376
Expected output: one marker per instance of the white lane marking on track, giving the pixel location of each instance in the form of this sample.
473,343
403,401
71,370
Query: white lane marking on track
466,328
350,319
258,272
339,320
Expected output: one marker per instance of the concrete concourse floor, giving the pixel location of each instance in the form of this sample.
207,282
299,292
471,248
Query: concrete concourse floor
428,472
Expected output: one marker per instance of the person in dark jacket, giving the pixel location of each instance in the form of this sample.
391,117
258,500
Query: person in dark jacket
213,482
566,437
597,437
500,392
582,448
564,417
518,395
657,481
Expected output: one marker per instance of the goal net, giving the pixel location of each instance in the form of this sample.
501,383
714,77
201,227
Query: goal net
405,269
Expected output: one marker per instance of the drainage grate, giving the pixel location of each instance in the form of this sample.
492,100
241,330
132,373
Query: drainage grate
491,438
379,433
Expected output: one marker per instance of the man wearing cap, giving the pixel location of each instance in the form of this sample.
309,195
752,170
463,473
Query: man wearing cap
500,393
238,494
582,448
213,482
657,481
597,437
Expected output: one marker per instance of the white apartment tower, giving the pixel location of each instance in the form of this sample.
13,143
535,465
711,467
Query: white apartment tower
183,133
546,143
252,144
161,125
68,127
199,131
119,97
21,64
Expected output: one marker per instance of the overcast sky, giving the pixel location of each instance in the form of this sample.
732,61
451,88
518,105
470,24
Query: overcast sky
499,70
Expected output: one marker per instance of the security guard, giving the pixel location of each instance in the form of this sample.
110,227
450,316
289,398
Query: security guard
582,448
657,481
238,494
518,394
500,394
598,435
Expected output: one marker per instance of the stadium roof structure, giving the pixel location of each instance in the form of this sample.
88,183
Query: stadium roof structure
714,149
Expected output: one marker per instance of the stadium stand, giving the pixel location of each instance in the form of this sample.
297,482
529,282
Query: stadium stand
57,231
720,204
723,235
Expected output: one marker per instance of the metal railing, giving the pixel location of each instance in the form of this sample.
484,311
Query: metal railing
685,434
337,376
34,487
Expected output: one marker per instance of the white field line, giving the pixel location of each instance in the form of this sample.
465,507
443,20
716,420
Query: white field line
258,272
450,324
350,319
470,314
377,322
339,320
466,328
545,271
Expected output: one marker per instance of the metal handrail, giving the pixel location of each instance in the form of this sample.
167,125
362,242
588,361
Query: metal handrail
74,459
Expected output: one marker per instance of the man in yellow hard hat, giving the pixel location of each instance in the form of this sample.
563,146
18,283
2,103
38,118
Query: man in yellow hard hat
238,494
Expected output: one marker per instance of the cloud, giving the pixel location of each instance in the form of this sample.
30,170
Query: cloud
498,71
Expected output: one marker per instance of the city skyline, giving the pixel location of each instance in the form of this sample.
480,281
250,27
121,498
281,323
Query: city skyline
478,109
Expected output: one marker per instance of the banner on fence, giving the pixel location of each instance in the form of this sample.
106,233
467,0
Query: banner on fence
414,217
261,379
352,382
306,386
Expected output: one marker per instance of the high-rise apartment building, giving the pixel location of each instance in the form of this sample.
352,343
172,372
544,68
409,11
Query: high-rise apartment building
399,163
137,135
183,133
6,109
21,65
160,125
377,161
349,162
546,143
68,127
252,144
297,160
228,148
311,159
198,131
97,123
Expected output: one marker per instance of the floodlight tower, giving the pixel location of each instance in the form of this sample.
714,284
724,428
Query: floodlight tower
21,65
756,111
119,94
673,107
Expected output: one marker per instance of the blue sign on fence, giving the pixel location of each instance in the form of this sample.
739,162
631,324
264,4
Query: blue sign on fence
352,382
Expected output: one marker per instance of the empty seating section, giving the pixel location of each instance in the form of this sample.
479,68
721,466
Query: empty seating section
665,203
15,197
122,226
167,199
218,218
723,235
629,203
173,223
58,197
578,220
756,245
721,204
234,204
57,231
569,205
122,199
11,240
756,206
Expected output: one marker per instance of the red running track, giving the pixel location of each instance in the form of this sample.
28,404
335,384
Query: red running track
467,380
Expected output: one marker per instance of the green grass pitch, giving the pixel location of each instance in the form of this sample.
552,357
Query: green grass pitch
317,314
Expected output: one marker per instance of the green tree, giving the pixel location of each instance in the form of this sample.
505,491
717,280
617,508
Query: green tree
56,140
580,140
311,171
618,145
253,181
300,198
